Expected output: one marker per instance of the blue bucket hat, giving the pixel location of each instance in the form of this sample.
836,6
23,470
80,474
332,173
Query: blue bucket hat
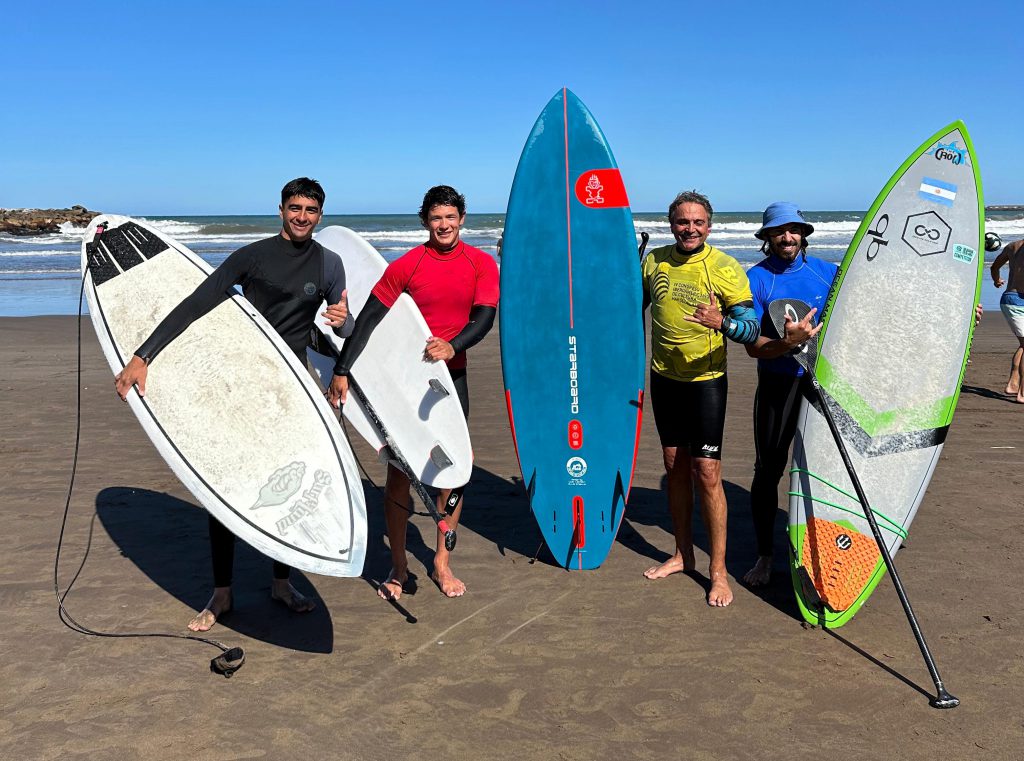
783,213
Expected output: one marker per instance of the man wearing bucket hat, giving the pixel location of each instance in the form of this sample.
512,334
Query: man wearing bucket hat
786,272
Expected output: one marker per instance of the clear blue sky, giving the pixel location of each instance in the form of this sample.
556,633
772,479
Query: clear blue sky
208,108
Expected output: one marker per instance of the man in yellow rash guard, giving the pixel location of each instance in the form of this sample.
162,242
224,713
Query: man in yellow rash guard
698,297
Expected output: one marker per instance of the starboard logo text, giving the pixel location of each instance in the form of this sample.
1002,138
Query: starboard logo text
574,384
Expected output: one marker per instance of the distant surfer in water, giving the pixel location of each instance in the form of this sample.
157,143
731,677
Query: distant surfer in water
1011,303
286,278
699,296
786,272
455,287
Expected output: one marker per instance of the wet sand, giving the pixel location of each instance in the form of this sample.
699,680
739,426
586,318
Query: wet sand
534,662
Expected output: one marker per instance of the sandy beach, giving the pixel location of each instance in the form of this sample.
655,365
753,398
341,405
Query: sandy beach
534,662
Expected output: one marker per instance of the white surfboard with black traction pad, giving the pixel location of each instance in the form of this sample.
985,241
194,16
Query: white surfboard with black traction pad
228,405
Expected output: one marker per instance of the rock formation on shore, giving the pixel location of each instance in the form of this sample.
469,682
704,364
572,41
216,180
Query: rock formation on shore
40,221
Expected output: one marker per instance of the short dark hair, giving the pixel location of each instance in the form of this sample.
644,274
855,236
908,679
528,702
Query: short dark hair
691,196
442,195
305,187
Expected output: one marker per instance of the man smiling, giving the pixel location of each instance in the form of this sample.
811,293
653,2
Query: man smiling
684,284
286,278
786,272
455,287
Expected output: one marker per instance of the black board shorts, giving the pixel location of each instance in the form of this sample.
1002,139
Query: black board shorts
690,414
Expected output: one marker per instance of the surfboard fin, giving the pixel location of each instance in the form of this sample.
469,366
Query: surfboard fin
440,458
618,498
438,387
810,593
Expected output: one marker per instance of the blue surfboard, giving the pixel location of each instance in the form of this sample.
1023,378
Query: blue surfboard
572,344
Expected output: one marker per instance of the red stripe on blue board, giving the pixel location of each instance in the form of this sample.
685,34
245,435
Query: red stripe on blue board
568,189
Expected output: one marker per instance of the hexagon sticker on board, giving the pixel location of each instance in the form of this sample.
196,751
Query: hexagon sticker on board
927,233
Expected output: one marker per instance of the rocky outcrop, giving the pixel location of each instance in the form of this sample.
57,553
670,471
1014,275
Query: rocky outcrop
40,221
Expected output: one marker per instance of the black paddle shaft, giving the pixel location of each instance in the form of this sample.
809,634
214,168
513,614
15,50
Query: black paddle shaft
417,485
806,356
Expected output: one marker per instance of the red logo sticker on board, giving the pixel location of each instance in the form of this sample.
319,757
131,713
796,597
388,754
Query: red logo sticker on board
575,434
601,189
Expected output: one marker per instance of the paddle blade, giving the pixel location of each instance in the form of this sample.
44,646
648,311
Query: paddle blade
807,353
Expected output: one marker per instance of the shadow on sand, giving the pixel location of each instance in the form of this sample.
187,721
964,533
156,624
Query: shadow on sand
167,539
648,507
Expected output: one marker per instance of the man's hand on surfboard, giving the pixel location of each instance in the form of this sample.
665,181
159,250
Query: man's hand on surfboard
134,374
337,393
336,314
438,348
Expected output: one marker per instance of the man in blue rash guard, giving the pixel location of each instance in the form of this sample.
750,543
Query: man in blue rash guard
684,284
786,272
286,278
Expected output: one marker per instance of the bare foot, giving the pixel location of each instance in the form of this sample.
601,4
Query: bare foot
720,594
393,586
675,564
282,591
1011,389
219,604
761,573
447,583
1020,399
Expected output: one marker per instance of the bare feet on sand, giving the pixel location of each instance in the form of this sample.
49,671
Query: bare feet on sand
282,591
675,564
760,574
393,586
720,594
219,604
447,583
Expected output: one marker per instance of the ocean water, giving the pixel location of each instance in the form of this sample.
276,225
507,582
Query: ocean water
40,275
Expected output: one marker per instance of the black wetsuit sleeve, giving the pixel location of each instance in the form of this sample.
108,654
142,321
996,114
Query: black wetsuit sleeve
369,318
334,285
481,320
214,290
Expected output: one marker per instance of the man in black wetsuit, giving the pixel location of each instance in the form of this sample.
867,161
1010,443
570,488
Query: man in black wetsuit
286,278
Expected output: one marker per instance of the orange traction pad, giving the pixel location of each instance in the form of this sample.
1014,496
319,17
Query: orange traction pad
839,560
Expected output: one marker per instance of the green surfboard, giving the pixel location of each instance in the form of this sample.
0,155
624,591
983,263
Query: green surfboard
892,351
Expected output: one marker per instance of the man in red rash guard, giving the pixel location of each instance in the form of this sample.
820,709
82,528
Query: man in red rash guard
455,286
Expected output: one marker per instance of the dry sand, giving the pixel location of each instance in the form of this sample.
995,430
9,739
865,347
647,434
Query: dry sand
534,662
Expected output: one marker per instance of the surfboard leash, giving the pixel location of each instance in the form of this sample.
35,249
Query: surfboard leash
230,659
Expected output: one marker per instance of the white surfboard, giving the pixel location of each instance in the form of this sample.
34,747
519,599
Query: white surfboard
891,356
228,405
414,398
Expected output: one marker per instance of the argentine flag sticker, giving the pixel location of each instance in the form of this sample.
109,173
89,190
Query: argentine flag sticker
937,191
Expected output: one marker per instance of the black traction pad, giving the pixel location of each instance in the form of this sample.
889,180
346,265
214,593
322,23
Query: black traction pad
128,246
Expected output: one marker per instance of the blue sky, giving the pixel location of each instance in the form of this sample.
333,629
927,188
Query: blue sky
208,108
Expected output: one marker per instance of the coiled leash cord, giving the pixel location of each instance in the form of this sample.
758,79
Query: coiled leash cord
230,659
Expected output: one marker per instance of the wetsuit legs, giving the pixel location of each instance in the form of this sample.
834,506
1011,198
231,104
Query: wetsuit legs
776,405
222,551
